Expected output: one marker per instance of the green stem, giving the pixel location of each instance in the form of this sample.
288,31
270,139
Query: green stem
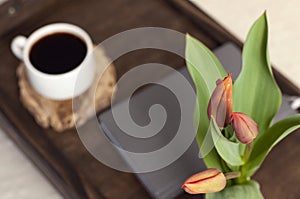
228,132
232,175
248,150
243,178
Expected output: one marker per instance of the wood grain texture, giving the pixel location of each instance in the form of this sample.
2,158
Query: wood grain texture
70,164
15,13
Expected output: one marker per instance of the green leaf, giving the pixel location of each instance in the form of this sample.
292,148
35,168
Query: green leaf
255,91
228,150
266,142
249,190
205,69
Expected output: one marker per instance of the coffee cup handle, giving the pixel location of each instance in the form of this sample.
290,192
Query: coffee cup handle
17,46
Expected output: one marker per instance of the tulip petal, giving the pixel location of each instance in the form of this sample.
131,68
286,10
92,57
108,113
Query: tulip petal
222,111
208,181
245,127
202,175
220,103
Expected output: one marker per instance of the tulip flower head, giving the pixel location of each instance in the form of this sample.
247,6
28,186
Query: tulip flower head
220,103
245,127
208,181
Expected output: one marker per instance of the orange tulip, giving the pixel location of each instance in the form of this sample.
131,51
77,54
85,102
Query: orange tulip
208,181
245,127
220,103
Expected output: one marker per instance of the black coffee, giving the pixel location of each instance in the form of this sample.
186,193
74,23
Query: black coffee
57,53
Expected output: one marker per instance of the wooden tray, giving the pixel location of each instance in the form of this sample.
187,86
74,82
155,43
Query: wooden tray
62,157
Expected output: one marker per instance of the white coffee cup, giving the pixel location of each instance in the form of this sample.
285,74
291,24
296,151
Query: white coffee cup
57,86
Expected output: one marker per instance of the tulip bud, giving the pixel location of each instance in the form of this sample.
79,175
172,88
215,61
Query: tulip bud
208,181
220,103
245,127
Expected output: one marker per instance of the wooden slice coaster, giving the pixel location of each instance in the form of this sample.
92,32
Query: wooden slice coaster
59,114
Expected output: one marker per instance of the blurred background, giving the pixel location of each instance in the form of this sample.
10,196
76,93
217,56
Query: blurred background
20,178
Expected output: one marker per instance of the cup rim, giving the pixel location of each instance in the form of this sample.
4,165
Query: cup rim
52,29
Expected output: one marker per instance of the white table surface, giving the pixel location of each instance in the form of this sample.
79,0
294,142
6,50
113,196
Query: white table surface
237,16
19,178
